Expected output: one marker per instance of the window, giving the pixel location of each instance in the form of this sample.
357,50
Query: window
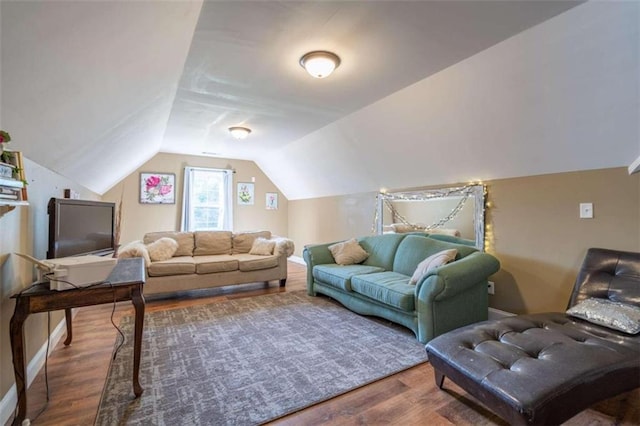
207,199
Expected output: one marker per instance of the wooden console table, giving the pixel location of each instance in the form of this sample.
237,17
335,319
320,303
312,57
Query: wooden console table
126,281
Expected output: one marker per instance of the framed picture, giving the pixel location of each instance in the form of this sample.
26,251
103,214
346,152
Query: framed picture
272,201
157,188
245,194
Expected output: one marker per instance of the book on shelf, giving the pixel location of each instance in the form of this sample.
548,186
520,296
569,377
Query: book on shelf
11,183
4,196
9,190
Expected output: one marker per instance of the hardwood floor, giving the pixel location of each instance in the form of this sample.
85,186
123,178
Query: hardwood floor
77,374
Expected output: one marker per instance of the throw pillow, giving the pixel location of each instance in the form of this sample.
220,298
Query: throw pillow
435,260
242,241
162,249
610,314
348,252
135,249
262,247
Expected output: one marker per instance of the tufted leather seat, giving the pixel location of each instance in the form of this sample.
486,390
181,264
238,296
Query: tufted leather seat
545,368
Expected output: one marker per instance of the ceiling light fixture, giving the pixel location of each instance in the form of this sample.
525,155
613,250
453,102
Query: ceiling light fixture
239,132
320,63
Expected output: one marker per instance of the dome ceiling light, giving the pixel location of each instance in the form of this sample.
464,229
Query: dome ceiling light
320,63
239,132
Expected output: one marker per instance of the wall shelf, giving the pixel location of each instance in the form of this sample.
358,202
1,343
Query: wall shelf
8,205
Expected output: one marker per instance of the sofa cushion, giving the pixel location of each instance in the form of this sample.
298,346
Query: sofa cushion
212,242
215,263
348,252
249,262
415,248
455,240
175,266
381,249
339,276
184,239
390,288
242,241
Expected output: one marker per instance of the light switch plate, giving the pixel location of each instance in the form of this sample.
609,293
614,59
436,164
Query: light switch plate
586,210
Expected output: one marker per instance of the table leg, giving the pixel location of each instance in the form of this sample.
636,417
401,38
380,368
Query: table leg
17,349
138,303
67,319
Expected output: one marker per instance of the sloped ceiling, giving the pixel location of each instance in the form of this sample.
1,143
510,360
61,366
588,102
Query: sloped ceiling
87,87
427,92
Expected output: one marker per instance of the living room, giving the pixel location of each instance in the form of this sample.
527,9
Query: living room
545,116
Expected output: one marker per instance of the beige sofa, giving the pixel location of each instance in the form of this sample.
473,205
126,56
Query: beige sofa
205,259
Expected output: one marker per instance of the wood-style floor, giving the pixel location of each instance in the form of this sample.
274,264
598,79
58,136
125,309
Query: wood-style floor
77,374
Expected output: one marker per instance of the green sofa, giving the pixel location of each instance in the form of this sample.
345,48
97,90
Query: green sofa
449,297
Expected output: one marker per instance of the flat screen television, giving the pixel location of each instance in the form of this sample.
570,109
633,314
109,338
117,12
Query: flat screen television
80,227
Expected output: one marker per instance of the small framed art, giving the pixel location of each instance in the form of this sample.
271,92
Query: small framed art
157,188
272,201
245,194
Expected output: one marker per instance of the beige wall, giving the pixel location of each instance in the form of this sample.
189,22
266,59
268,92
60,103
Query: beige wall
138,219
26,230
327,219
533,228
539,238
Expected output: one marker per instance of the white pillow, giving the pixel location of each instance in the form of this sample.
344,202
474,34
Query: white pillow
162,249
435,260
262,247
614,315
348,252
135,249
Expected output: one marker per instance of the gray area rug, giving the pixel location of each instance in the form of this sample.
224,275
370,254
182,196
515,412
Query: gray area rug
250,360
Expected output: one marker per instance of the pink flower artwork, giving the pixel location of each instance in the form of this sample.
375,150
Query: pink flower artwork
157,188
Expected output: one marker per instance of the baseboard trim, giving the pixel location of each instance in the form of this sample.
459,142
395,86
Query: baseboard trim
297,259
10,399
498,314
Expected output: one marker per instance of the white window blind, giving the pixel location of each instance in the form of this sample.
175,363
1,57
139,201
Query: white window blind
207,200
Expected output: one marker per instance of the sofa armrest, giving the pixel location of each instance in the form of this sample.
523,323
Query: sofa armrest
456,277
316,254
284,246
135,249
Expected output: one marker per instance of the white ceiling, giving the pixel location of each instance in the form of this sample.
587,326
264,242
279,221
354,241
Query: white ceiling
92,90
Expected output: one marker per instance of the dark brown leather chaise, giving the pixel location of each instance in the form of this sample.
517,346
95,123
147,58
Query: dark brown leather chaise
545,368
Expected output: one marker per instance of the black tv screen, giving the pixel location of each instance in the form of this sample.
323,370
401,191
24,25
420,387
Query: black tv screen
80,227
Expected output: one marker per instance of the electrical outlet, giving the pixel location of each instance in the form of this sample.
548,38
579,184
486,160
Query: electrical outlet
491,287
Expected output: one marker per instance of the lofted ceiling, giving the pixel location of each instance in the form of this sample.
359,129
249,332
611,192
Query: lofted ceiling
92,90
